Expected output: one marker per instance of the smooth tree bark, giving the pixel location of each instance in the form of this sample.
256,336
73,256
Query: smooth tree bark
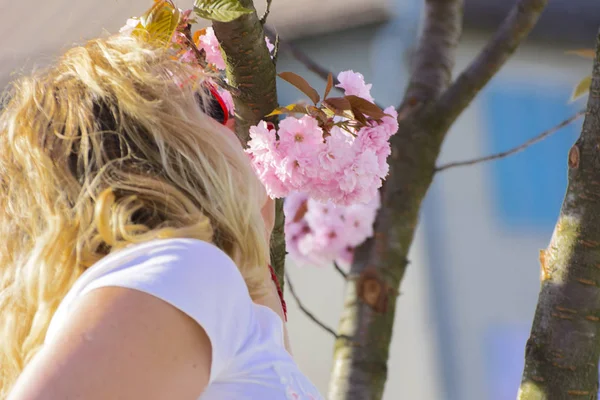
251,71
428,110
561,357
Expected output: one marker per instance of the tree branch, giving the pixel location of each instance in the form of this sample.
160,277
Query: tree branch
309,63
517,25
561,356
514,150
304,59
434,58
251,71
309,314
263,19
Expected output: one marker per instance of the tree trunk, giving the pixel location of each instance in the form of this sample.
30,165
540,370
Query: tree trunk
251,70
360,366
427,112
561,357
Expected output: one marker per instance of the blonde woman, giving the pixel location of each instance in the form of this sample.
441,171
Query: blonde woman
134,240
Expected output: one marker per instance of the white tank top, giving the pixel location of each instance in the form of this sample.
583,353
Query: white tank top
249,359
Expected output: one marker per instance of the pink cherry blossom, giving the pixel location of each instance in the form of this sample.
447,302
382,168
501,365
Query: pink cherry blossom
210,44
291,171
270,45
338,151
300,134
276,188
353,83
340,168
320,233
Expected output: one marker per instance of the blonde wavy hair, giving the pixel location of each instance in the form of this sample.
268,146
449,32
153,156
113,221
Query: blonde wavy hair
103,150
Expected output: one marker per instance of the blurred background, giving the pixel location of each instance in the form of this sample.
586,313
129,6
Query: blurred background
468,298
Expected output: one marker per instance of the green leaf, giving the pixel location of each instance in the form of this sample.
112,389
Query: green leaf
301,85
585,53
220,10
365,107
290,109
338,105
159,22
582,88
329,85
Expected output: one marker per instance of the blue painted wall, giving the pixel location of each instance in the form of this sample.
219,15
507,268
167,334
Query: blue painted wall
528,187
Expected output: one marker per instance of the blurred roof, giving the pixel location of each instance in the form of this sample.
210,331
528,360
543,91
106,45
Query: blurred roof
34,30
563,22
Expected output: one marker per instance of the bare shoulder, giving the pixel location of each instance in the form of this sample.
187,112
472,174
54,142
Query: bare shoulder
120,343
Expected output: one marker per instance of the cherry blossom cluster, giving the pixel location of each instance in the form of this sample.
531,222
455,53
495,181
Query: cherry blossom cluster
342,163
321,233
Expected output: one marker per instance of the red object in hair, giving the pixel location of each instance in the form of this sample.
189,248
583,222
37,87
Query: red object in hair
279,292
221,102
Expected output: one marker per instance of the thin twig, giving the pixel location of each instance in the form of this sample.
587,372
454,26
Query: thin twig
514,150
309,314
308,62
304,59
276,49
341,271
263,19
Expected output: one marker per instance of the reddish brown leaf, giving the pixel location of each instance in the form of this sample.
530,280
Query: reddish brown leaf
302,210
329,85
338,105
360,117
317,113
365,107
585,53
301,85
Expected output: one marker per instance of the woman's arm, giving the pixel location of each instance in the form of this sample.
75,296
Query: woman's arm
120,344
